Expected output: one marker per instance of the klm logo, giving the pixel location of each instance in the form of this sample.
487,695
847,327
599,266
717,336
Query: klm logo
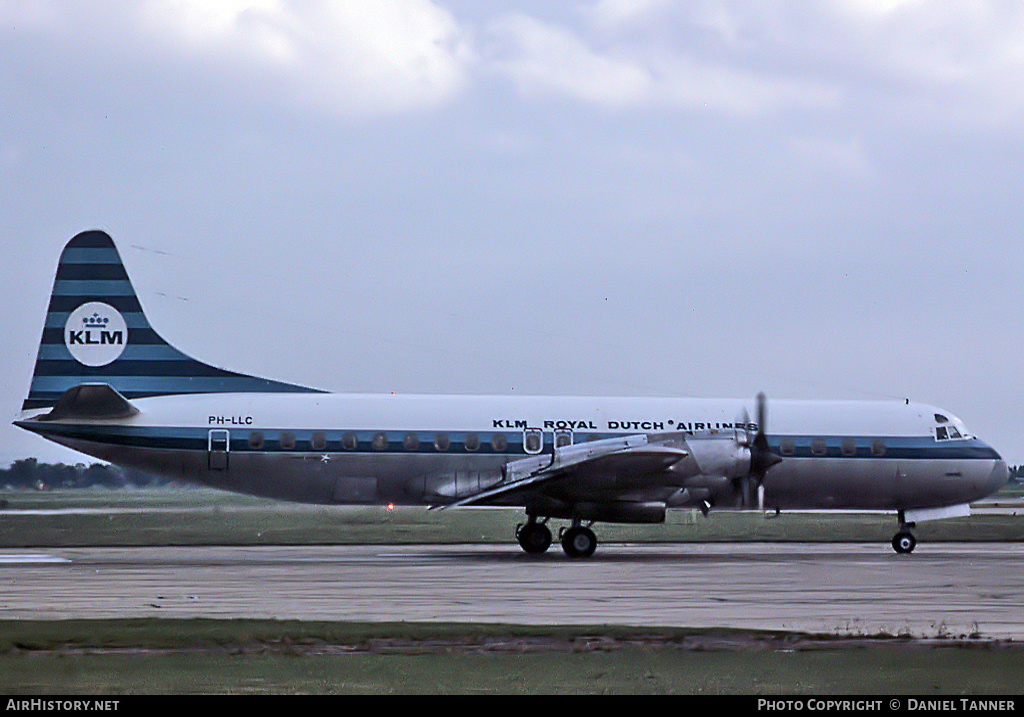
95,334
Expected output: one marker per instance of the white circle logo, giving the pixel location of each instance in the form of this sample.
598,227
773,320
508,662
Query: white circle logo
95,334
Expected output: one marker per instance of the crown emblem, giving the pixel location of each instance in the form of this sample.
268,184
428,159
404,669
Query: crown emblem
95,321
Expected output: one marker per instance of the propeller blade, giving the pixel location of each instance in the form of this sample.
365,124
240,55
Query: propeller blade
743,434
761,456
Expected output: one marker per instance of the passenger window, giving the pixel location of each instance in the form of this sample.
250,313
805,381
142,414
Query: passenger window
849,447
878,447
441,442
472,442
380,441
410,442
818,447
349,441
318,440
287,440
256,440
532,440
787,446
563,438
499,443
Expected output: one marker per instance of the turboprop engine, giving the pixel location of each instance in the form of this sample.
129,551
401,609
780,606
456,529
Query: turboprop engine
731,462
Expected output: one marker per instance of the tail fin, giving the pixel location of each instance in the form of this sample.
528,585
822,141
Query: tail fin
96,332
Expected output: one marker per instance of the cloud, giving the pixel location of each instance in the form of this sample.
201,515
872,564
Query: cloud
918,61
617,13
878,8
923,62
838,157
546,59
349,55
689,82
945,61
346,56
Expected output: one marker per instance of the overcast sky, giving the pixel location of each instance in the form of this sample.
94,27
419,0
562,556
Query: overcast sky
626,197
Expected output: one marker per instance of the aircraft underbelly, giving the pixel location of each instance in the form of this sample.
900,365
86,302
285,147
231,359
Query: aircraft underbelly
344,478
326,478
354,478
874,484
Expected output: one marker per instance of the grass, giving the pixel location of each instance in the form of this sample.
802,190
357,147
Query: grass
148,656
94,518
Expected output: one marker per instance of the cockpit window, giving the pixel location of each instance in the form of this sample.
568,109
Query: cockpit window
948,433
939,418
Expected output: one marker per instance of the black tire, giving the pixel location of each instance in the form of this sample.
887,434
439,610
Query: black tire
904,542
534,538
579,542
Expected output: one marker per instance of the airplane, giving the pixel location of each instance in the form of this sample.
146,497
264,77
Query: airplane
108,385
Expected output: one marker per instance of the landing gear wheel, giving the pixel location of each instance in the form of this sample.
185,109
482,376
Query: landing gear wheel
534,538
579,542
904,542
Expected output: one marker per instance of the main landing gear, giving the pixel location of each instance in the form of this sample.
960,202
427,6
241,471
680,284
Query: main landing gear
577,541
904,541
534,537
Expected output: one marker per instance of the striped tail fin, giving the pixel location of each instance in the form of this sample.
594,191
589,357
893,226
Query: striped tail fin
96,332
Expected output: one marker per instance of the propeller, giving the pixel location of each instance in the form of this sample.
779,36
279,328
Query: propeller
761,457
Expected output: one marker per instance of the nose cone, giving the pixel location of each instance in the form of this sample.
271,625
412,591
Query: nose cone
997,472
997,478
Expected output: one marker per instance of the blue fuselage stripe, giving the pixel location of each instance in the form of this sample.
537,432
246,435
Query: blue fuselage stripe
244,439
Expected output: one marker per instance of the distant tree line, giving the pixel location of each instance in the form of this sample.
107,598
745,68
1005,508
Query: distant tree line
30,473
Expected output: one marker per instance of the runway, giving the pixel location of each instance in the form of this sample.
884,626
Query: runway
941,590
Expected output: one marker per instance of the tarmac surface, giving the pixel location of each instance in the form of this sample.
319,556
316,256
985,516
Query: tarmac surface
942,590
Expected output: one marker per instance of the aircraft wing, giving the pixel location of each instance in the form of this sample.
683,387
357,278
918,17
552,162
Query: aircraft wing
626,455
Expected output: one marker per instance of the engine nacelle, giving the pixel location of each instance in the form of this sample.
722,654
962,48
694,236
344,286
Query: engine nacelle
711,483
621,512
610,512
719,455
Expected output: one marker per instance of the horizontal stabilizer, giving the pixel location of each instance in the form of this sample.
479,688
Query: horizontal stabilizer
90,400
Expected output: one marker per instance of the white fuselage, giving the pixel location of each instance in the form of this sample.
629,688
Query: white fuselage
433,450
